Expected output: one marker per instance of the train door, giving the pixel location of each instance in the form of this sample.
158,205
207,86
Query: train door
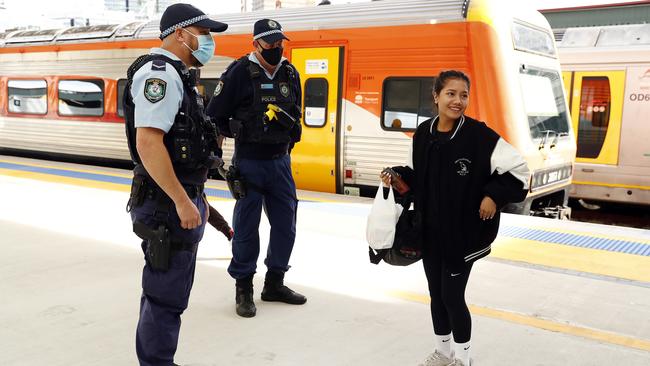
596,111
314,162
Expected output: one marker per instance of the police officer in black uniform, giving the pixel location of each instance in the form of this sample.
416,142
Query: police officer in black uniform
258,103
172,145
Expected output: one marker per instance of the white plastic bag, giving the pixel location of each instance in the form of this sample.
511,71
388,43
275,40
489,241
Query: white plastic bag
380,230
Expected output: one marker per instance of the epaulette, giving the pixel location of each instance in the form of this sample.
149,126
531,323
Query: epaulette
291,71
158,65
242,60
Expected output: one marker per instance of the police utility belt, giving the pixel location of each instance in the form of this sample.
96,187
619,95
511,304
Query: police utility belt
160,243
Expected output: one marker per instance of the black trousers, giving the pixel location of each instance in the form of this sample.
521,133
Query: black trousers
449,310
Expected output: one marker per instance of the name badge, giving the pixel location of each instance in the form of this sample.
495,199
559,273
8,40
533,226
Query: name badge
267,86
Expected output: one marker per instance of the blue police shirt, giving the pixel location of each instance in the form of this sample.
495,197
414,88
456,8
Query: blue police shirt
157,94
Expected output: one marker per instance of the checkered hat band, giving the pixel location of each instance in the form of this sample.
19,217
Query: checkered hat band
183,24
267,33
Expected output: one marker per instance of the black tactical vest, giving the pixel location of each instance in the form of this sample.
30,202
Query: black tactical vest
191,141
281,92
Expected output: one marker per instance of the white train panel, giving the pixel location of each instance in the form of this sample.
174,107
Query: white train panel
95,139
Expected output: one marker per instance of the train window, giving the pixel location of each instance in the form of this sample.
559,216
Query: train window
121,84
593,122
81,97
531,39
407,102
27,96
316,95
543,95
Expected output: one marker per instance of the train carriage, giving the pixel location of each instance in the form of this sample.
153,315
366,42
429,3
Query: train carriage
367,70
606,73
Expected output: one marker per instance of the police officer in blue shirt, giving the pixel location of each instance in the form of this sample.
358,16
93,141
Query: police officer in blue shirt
257,102
172,145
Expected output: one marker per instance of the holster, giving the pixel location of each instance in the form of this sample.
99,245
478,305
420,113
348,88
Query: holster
236,183
159,244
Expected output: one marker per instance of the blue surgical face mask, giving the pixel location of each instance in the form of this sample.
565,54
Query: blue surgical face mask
206,48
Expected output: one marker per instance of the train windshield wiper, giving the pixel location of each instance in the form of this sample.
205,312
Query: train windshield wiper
544,139
557,137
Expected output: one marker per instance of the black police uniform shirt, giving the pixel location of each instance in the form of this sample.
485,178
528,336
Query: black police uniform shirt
235,90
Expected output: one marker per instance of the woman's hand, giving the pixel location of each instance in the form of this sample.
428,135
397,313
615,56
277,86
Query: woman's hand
385,177
488,209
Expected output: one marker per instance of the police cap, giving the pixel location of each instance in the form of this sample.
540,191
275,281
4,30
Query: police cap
184,15
268,30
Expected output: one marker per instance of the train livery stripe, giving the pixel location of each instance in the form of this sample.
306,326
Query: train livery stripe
612,185
636,247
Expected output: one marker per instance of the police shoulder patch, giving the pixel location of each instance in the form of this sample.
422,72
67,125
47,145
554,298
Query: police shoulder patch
218,88
155,89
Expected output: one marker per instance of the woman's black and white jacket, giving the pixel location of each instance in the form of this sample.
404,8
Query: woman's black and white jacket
475,162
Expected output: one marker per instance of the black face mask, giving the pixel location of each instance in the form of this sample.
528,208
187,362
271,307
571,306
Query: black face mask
273,55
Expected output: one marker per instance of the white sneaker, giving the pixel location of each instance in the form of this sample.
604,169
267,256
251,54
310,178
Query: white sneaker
437,359
458,362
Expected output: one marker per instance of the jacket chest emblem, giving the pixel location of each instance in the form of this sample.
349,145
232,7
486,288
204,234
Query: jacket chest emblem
462,166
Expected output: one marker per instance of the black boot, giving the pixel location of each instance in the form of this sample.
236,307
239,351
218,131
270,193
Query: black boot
275,290
245,306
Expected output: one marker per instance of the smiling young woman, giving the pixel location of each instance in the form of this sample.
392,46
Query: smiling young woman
462,174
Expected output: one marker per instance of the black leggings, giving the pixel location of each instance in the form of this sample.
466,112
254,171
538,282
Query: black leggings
449,310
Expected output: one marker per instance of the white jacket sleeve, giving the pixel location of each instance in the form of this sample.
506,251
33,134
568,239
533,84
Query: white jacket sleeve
506,159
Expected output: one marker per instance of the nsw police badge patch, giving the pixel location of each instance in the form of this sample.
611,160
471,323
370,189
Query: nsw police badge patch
218,88
284,89
154,89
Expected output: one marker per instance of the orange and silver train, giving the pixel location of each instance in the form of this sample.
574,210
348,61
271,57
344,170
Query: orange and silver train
367,71
606,73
